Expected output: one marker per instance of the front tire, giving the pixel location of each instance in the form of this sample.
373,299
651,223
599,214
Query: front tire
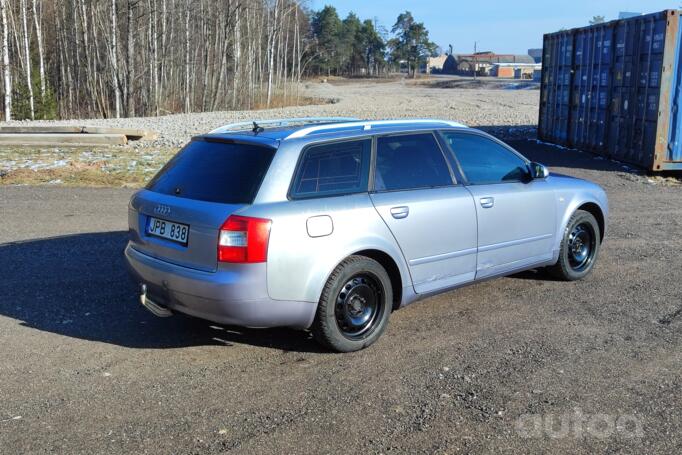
579,248
355,305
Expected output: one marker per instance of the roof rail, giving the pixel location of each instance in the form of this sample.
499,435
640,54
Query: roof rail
280,122
368,124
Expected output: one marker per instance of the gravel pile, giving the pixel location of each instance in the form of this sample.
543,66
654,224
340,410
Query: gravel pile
502,112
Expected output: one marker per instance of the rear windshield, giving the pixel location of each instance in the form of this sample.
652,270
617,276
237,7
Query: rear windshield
214,172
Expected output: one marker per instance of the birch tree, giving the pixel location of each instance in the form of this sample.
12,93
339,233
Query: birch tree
114,60
41,53
272,32
27,63
130,56
5,61
187,88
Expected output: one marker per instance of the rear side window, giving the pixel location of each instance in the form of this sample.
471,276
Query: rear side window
410,162
215,172
331,169
485,161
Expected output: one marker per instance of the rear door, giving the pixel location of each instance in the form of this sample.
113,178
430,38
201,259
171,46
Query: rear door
432,217
177,218
516,215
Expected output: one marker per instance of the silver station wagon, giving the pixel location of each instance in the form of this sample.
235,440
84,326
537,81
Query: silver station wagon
330,224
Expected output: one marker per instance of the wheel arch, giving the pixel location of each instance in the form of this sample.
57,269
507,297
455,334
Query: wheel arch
391,267
598,214
396,270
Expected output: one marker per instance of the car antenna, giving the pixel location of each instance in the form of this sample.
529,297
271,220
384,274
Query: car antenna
257,129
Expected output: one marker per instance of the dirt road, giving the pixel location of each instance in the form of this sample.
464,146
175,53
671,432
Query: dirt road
84,369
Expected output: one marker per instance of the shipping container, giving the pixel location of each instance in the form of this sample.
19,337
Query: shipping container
615,89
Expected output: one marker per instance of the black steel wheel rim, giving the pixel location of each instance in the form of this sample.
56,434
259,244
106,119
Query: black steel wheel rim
582,244
359,305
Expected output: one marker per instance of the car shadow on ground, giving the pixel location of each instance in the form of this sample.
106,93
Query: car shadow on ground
78,286
535,275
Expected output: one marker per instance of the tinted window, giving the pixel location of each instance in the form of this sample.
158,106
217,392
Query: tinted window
339,168
486,161
214,172
410,161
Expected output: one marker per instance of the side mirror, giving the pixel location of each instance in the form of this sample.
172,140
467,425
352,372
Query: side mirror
538,171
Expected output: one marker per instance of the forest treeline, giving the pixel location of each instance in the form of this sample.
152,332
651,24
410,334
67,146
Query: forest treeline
125,58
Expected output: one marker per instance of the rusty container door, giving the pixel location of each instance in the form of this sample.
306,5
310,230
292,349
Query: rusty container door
668,148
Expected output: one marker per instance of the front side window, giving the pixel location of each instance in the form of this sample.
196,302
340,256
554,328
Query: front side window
410,161
331,169
484,161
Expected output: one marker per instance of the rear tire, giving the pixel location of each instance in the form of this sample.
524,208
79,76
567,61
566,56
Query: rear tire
355,305
579,248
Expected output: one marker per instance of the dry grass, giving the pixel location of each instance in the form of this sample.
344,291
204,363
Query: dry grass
117,166
91,176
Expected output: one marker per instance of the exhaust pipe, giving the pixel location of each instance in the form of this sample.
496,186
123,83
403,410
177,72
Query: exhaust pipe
154,308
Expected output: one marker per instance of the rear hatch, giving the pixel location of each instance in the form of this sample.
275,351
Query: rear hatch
178,216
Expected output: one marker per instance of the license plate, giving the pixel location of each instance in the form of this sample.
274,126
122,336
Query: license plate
168,230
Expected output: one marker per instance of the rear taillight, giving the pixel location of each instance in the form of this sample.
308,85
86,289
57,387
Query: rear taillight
244,239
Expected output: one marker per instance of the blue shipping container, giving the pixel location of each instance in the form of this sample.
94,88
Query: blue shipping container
615,89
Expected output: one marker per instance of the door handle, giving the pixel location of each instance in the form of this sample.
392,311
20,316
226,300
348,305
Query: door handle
400,212
487,202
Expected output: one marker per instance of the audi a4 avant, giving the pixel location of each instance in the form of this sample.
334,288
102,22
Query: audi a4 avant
330,224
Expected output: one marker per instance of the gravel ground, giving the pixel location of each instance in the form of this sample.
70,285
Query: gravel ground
488,108
83,369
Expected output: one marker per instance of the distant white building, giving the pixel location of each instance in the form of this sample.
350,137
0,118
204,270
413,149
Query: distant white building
435,64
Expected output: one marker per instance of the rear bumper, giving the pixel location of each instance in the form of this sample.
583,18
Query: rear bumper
235,295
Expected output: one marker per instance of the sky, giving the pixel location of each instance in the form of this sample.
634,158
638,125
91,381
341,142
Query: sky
506,26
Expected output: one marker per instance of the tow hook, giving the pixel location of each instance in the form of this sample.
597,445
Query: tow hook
154,308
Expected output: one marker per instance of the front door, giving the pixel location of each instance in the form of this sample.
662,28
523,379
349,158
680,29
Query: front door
516,215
